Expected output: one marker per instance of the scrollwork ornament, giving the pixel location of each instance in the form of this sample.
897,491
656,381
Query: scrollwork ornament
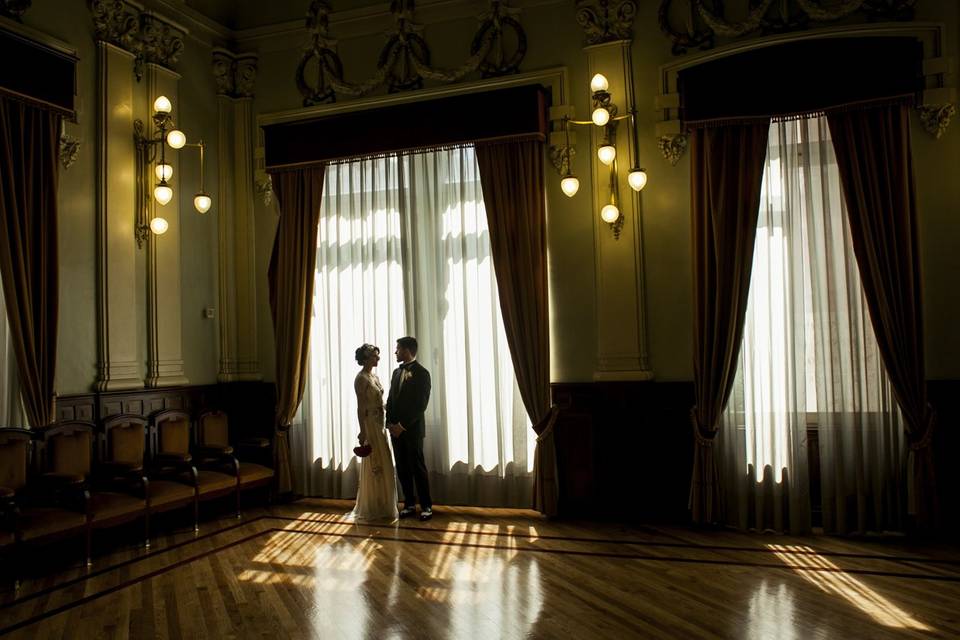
672,147
14,8
606,20
936,118
69,150
161,44
694,37
223,73
245,76
901,10
561,157
490,36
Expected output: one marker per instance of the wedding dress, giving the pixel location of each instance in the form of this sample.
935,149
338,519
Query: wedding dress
377,492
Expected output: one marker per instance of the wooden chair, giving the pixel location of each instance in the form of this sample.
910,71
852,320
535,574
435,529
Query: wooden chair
170,434
65,458
213,436
42,506
14,462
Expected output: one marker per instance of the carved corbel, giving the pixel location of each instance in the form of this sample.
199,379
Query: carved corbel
936,117
69,149
235,75
162,43
672,147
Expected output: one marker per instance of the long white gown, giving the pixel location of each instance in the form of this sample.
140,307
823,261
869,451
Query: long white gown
377,492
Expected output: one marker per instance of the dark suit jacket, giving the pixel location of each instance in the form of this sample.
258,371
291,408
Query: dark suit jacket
406,405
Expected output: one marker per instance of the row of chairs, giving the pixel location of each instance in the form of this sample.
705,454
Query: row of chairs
74,478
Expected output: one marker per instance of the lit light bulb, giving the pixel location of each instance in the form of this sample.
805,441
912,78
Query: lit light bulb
599,83
159,226
570,185
600,116
637,179
164,172
162,105
176,139
163,193
202,202
607,153
610,213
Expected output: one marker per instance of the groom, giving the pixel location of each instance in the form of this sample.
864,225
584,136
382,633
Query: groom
409,394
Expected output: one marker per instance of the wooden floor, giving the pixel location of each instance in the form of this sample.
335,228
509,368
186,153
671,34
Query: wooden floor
299,571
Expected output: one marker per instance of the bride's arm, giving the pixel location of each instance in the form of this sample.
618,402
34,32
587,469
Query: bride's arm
358,387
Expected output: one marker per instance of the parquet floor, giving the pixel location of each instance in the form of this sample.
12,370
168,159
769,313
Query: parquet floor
299,571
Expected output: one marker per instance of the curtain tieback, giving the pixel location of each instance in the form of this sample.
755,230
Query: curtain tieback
927,439
701,440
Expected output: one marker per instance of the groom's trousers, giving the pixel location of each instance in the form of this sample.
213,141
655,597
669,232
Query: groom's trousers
412,470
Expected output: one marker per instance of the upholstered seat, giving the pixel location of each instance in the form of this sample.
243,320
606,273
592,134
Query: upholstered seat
108,505
211,481
251,472
165,492
38,522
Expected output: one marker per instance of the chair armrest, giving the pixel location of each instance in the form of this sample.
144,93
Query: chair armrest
214,450
254,443
174,459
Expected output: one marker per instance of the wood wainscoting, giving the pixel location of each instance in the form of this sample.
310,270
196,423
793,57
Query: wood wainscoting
249,405
624,449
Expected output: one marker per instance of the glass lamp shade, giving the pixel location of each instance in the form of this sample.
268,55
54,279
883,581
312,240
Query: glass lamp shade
159,226
164,172
570,185
600,116
610,213
202,202
162,105
163,193
176,139
599,83
607,153
637,179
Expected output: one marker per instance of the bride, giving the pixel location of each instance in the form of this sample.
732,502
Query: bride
377,493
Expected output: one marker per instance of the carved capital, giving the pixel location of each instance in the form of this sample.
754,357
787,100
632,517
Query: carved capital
235,75
162,43
69,149
116,22
936,117
14,8
672,147
606,20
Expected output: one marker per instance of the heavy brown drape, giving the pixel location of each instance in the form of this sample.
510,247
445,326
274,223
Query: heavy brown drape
512,178
29,154
876,172
726,174
292,266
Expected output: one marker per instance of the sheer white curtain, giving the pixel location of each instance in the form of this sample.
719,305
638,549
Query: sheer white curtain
424,270
11,406
809,359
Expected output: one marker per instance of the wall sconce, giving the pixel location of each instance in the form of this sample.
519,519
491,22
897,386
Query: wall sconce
604,115
146,154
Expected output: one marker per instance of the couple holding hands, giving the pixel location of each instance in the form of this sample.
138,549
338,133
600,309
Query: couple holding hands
402,419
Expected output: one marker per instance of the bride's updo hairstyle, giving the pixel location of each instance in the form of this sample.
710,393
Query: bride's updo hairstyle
364,351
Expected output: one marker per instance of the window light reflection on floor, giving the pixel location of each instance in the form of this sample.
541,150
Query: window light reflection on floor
829,578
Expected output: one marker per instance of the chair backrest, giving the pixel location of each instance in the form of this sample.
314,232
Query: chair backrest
65,447
123,439
171,432
213,429
14,457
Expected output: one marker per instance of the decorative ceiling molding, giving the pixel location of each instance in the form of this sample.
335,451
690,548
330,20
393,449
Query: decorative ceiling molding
150,37
696,24
14,8
404,61
235,74
606,20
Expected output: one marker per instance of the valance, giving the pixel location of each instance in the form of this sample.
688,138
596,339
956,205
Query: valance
501,114
37,73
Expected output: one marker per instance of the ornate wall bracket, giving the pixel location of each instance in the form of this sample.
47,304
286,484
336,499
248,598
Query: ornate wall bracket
672,147
606,20
69,150
696,24
936,118
146,35
404,61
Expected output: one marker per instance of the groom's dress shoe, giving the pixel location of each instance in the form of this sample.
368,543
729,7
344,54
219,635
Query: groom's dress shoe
426,514
406,512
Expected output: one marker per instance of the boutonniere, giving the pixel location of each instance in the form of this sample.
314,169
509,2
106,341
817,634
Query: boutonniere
405,375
